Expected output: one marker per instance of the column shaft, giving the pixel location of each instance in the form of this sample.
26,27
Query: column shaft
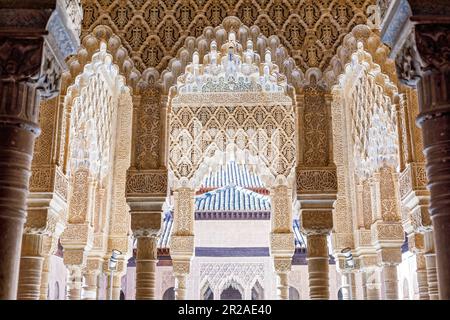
74,283
90,286
372,284
318,267
390,279
117,286
180,287
16,149
31,265
422,279
282,286
430,261
146,259
44,278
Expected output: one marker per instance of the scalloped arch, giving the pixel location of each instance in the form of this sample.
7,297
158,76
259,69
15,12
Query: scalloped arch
90,45
372,44
177,65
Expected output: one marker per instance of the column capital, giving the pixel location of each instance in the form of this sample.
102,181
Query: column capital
389,256
146,223
316,221
282,265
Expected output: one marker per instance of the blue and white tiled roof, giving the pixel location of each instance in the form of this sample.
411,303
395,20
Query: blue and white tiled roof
232,198
233,174
163,242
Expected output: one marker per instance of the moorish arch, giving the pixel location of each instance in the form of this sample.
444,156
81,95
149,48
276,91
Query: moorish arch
369,126
92,153
260,43
369,39
234,104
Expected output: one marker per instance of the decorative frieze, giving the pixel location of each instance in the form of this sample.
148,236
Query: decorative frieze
146,183
316,180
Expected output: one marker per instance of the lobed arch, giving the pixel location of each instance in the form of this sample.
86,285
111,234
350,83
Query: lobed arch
100,69
232,282
101,36
373,46
204,89
101,62
362,51
204,286
176,66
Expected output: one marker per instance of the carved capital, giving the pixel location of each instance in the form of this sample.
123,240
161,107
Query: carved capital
416,242
181,267
146,224
363,238
433,46
49,179
316,221
77,236
75,257
368,261
43,221
282,265
389,256
20,61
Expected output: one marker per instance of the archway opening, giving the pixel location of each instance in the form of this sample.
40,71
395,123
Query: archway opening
232,152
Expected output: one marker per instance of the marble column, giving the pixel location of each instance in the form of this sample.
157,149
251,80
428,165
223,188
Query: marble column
42,229
420,44
182,240
430,264
89,290
31,265
180,286
390,280
433,290
422,278
282,268
22,53
317,225
146,259
117,287
74,282
44,278
318,270
31,65
371,284
348,285
181,270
